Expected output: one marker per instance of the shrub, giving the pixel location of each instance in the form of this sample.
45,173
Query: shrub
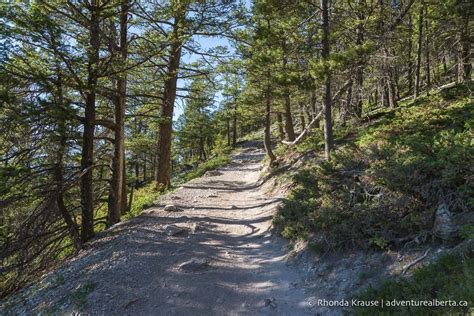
450,278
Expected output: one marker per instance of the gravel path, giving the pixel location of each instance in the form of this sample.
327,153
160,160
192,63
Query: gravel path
215,256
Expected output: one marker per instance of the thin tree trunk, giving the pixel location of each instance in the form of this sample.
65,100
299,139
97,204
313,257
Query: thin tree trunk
390,81
410,55
427,52
59,167
202,151
281,131
359,75
227,123
267,137
418,52
234,124
465,65
302,119
137,173
314,107
328,138
346,106
87,155
163,171
289,128
124,205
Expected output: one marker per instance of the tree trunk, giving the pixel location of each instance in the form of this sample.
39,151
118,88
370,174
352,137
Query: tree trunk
227,123
328,138
314,107
267,136
124,205
410,55
346,106
359,75
163,171
289,128
465,65
281,132
234,124
202,150
302,119
390,81
59,167
87,155
427,52
418,52
116,203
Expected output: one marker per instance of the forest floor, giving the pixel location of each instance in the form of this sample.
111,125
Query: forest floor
216,255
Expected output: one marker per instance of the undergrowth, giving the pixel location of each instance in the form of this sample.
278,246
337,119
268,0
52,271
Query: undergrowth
449,279
142,199
202,168
384,186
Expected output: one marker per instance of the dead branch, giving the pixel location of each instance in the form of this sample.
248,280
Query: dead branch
411,264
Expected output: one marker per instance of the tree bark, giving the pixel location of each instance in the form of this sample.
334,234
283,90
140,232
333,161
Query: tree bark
427,52
465,65
281,132
410,55
267,136
87,155
359,75
227,124
163,171
117,203
328,138
418,52
302,119
289,128
314,107
59,167
346,106
234,124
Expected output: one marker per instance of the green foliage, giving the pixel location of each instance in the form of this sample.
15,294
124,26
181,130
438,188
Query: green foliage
467,232
450,278
210,164
387,184
143,198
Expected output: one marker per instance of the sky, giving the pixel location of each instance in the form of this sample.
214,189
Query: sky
206,43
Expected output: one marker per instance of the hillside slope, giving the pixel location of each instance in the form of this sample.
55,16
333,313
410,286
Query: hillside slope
400,186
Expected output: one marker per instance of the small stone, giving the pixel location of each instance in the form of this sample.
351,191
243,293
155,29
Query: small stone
193,265
195,227
172,230
213,173
171,208
175,197
270,302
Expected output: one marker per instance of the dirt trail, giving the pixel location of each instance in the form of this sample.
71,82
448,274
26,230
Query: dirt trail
226,261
